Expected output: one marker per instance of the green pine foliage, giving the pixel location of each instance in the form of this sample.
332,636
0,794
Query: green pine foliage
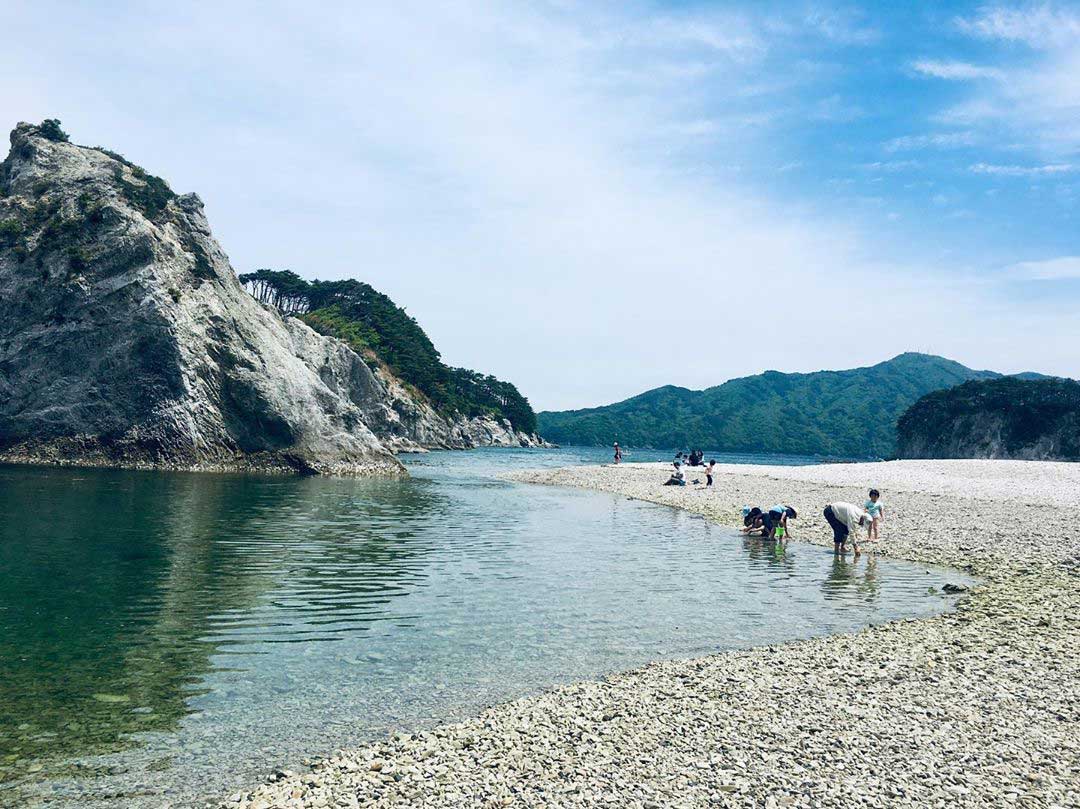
844,414
376,327
50,128
1010,417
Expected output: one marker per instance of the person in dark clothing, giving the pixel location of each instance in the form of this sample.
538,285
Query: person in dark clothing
777,517
752,519
677,477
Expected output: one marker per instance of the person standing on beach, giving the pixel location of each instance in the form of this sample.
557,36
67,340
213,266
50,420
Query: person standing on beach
618,452
876,509
845,519
709,473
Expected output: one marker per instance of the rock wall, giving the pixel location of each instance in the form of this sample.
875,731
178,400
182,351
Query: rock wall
127,340
1032,420
408,423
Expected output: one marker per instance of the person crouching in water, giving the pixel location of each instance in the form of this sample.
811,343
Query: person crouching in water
846,519
752,519
776,522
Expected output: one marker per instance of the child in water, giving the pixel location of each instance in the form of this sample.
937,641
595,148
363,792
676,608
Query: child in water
876,509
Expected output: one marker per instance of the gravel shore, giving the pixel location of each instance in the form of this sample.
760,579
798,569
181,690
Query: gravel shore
978,707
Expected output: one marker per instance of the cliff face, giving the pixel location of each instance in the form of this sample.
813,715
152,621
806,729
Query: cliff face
408,423
127,340
1001,418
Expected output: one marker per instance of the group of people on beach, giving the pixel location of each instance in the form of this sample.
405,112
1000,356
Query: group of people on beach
846,520
693,458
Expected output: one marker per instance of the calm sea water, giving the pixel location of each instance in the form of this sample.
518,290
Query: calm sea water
175,636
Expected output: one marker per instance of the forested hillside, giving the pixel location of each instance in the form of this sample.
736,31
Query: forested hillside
383,332
998,418
849,413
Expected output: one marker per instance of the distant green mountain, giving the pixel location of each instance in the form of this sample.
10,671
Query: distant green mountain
848,413
995,418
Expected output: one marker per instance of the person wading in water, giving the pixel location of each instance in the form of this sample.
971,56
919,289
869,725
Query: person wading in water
845,519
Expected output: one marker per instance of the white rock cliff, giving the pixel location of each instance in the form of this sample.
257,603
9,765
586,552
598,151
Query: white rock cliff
127,340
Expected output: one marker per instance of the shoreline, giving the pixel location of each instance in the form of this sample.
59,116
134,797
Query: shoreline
979,706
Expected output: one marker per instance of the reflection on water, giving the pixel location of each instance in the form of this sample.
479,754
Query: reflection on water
172,635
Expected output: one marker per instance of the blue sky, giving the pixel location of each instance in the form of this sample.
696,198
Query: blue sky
591,199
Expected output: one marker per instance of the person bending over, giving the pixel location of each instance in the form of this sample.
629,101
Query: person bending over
753,520
845,519
776,521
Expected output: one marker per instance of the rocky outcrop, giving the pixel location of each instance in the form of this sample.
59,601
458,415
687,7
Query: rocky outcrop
126,339
409,423
1001,418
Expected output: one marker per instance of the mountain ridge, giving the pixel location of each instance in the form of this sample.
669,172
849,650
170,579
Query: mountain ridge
840,413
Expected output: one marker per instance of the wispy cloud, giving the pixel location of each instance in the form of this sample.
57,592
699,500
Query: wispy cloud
890,165
955,70
1038,25
1034,95
836,109
578,158
1049,170
933,140
1053,269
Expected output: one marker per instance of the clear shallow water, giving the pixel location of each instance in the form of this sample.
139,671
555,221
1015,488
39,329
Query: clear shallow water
174,636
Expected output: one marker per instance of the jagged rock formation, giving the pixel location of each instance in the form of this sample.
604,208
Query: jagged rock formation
1000,418
126,339
408,423
434,405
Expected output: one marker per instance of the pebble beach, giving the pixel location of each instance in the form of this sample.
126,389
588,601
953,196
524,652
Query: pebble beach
976,707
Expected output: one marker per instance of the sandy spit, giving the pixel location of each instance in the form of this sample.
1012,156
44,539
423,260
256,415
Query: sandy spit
979,707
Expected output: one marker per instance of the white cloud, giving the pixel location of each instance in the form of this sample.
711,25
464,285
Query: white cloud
1039,25
1049,170
835,109
955,70
891,165
1035,96
935,140
542,187
1053,269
